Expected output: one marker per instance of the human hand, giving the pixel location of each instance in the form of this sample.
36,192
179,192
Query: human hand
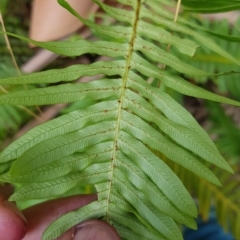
32,222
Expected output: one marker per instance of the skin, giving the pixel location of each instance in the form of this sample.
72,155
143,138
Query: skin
31,223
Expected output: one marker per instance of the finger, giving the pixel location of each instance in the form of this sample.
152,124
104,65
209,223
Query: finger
62,24
41,215
91,230
95,230
13,225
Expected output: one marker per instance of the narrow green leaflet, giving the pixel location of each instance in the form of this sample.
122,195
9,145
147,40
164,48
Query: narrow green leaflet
145,29
79,47
202,39
63,93
68,74
213,6
157,8
92,211
177,83
61,125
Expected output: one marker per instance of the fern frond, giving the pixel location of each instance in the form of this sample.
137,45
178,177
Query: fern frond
210,61
228,134
116,143
11,117
225,200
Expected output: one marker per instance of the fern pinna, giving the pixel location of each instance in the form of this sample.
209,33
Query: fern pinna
116,144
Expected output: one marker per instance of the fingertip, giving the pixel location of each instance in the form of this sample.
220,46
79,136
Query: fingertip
40,216
12,225
95,230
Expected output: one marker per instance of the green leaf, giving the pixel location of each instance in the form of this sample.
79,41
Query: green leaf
213,6
178,83
94,210
80,47
62,125
59,186
156,7
47,151
68,74
202,39
63,93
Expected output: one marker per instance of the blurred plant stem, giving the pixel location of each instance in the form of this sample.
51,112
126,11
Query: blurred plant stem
17,69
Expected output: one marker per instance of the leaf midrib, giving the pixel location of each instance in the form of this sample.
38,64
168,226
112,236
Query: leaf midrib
122,96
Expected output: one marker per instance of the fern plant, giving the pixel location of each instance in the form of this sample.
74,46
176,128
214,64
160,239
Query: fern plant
119,144
12,117
226,131
211,61
225,200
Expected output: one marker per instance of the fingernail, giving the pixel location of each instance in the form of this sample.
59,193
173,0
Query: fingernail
95,230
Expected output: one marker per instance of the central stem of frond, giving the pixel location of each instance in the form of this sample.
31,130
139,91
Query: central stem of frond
121,99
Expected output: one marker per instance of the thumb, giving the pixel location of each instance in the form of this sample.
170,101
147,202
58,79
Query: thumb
13,225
